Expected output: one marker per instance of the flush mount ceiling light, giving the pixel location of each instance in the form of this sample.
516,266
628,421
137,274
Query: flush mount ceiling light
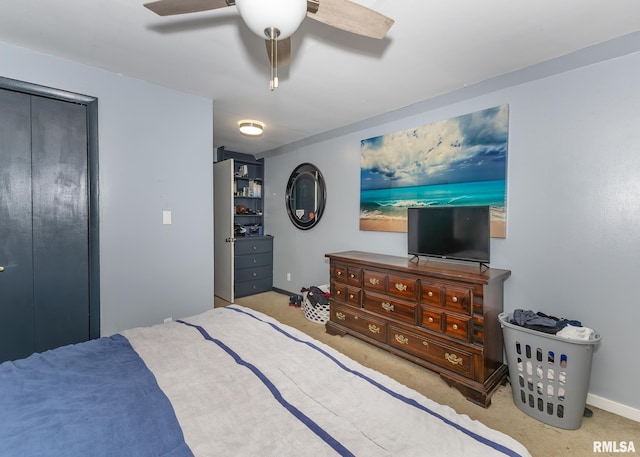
250,127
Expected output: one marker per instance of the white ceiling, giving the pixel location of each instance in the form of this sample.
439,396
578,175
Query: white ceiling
335,78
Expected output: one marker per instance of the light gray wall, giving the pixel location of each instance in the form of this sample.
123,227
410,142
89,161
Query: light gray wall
573,243
156,153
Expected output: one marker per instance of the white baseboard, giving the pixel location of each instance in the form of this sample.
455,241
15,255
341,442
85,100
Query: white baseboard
614,407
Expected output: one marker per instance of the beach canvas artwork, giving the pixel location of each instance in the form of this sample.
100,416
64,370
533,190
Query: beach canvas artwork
459,161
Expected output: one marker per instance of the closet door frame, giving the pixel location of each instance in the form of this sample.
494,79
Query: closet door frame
91,104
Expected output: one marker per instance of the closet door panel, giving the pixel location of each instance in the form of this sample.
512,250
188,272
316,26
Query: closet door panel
16,279
60,223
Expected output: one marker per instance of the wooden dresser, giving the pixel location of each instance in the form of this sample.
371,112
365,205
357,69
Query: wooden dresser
441,315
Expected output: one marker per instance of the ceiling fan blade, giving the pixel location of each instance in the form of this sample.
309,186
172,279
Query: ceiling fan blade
284,52
172,7
352,17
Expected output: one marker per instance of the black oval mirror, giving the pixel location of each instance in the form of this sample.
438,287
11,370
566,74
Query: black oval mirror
305,196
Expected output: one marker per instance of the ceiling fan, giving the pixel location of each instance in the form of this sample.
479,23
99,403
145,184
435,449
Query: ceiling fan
277,20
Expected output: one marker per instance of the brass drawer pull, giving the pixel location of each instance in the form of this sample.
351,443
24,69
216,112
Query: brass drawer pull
339,273
401,287
454,299
387,306
341,316
454,326
374,281
430,294
352,275
430,320
351,296
424,343
401,339
338,292
452,358
374,328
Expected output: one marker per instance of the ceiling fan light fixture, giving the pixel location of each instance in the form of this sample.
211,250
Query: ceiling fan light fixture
283,15
250,127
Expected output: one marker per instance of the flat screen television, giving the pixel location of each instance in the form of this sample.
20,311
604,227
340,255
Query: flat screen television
450,232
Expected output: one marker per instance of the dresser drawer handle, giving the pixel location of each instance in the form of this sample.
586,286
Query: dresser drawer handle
452,358
254,247
254,260
401,339
430,320
387,306
424,343
352,275
351,296
254,274
341,316
374,281
339,273
374,328
454,326
338,292
401,287
430,294
454,299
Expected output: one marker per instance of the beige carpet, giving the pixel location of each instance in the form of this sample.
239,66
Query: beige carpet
541,439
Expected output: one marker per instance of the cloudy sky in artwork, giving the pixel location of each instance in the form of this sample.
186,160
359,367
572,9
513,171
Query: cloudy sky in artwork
468,148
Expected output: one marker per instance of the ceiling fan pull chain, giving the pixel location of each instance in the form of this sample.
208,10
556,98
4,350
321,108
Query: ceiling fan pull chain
273,33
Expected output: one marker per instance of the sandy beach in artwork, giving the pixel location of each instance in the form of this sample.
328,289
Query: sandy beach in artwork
383,225
379,223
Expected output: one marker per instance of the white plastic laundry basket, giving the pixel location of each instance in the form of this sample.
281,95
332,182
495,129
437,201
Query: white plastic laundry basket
549,374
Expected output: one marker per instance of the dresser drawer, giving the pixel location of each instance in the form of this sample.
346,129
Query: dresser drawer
458,299
457,327
253,260
453,325
403,287
354,276
345,294
388,307
249,274
359,322
444,355
432,319
431,293
253,245
240,289
375,280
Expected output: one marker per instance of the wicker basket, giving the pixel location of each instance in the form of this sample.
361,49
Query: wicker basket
315,313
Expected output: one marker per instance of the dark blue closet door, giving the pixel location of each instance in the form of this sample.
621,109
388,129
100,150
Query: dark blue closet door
44,228
60,222
16,277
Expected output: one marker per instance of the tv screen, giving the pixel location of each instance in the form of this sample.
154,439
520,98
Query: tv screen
450,232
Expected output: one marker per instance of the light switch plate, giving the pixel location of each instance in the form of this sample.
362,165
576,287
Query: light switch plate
166,217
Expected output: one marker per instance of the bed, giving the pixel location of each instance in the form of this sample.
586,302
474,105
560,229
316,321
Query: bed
230,381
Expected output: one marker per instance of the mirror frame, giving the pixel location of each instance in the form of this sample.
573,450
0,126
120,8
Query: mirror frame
306,169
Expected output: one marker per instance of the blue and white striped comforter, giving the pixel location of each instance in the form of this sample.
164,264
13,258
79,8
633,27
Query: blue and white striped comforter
230,381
